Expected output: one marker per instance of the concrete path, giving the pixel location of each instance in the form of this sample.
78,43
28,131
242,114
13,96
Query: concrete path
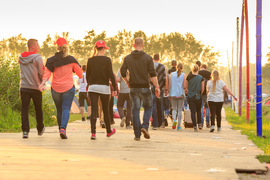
169,154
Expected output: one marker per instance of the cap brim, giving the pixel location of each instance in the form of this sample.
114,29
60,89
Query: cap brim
106,47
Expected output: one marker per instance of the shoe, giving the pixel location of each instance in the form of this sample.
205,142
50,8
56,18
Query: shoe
41,132
208,125
179,128
219,129
212,128
162,125
113,122
102,124
174,124
166,121
137,138
63,133
25,135
122,123
145,133
154,128
93,137
195,129
112,133
88,118
129,127
200,126
83,118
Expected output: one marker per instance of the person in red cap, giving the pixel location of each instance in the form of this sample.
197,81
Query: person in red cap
61,66
98,74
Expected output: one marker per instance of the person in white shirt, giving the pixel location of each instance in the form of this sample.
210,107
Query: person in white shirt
83,95
215,88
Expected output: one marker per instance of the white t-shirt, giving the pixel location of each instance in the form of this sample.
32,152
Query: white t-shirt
217,95
83,83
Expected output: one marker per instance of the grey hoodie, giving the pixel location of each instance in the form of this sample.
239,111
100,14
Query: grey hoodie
32,70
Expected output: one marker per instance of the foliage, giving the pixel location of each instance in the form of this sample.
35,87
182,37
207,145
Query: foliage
10,104
239,123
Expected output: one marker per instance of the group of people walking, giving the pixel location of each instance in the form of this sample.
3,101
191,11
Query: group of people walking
144,82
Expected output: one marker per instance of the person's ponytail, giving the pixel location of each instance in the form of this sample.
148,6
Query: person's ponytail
179,69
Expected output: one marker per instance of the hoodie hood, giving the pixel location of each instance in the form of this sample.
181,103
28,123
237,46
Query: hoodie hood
136,54
27,57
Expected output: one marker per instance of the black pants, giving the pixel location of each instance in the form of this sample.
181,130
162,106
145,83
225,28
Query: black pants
195,107
215,111
26,96
122,97
111,103
94,109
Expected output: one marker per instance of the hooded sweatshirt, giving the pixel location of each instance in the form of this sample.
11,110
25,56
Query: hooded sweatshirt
32,70
140,66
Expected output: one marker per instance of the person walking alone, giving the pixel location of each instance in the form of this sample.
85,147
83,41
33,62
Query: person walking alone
140,65
61,67
98,74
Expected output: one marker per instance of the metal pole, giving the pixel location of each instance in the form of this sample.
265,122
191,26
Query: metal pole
247,58
237,63
240,61
232,78
259,68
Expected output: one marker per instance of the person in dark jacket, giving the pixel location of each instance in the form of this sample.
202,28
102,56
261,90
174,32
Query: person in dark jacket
32,71
98,74
140,65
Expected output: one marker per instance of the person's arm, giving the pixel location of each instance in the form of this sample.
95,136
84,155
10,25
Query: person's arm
202,87
112,77
185,83
46,77
186,90
88,72
41,68
229,92
169,84
78,70
155,82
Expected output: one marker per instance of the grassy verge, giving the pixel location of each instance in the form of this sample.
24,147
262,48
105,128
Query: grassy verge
240,123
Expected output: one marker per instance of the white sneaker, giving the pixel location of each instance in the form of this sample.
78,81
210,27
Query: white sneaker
123,120
212,128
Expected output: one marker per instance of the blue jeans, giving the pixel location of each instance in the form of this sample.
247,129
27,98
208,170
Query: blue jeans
166,103
63,102
207,113
137,95
157,109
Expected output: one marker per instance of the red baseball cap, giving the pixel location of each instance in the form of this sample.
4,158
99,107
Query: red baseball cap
61,41
101,43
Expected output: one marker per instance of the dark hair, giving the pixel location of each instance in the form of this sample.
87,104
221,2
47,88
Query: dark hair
156,57
84,67
198,63
173,63
204,66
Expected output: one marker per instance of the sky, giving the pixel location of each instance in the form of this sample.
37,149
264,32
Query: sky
213,22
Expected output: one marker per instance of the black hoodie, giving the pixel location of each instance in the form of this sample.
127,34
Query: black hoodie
140,66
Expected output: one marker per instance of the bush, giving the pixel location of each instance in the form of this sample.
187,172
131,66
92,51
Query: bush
10,102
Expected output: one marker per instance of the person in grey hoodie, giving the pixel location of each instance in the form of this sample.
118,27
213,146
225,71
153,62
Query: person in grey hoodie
32,70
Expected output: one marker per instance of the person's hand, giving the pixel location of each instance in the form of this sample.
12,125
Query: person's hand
157,92
41,87
234,98
114,93
166,92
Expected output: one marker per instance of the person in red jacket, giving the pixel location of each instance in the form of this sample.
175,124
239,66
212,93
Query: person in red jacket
61,67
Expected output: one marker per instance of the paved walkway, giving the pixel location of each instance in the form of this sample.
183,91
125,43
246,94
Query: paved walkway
168,154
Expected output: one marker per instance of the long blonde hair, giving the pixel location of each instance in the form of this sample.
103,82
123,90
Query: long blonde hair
195,68
96,49
64,49
215,76
179,69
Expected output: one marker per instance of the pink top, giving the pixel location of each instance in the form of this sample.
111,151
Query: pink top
62,80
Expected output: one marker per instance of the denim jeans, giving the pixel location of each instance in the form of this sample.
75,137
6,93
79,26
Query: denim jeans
207,113
139,95
177,105
157,109
122,98
26,96
166,103
63,102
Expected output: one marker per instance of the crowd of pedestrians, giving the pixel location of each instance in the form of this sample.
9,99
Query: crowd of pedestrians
144,83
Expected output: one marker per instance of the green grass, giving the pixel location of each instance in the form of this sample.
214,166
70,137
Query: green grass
240,123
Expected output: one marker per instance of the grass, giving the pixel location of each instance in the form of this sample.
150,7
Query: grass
240,123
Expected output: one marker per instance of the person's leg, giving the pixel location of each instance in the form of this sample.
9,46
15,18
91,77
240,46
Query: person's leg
88,102
180,105
212,107
146,97
218,113
136,105
204,98
81,104
128,100
105,106
37,99
67,99
94,97
120,105
154,109
160,108
25,99
57,98
198,110
192,107
111,103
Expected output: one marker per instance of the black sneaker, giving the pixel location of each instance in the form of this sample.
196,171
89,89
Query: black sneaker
145,133
102,124
41,132
25,135
83,118
88,118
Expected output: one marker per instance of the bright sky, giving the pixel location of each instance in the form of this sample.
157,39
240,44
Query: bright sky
211,21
